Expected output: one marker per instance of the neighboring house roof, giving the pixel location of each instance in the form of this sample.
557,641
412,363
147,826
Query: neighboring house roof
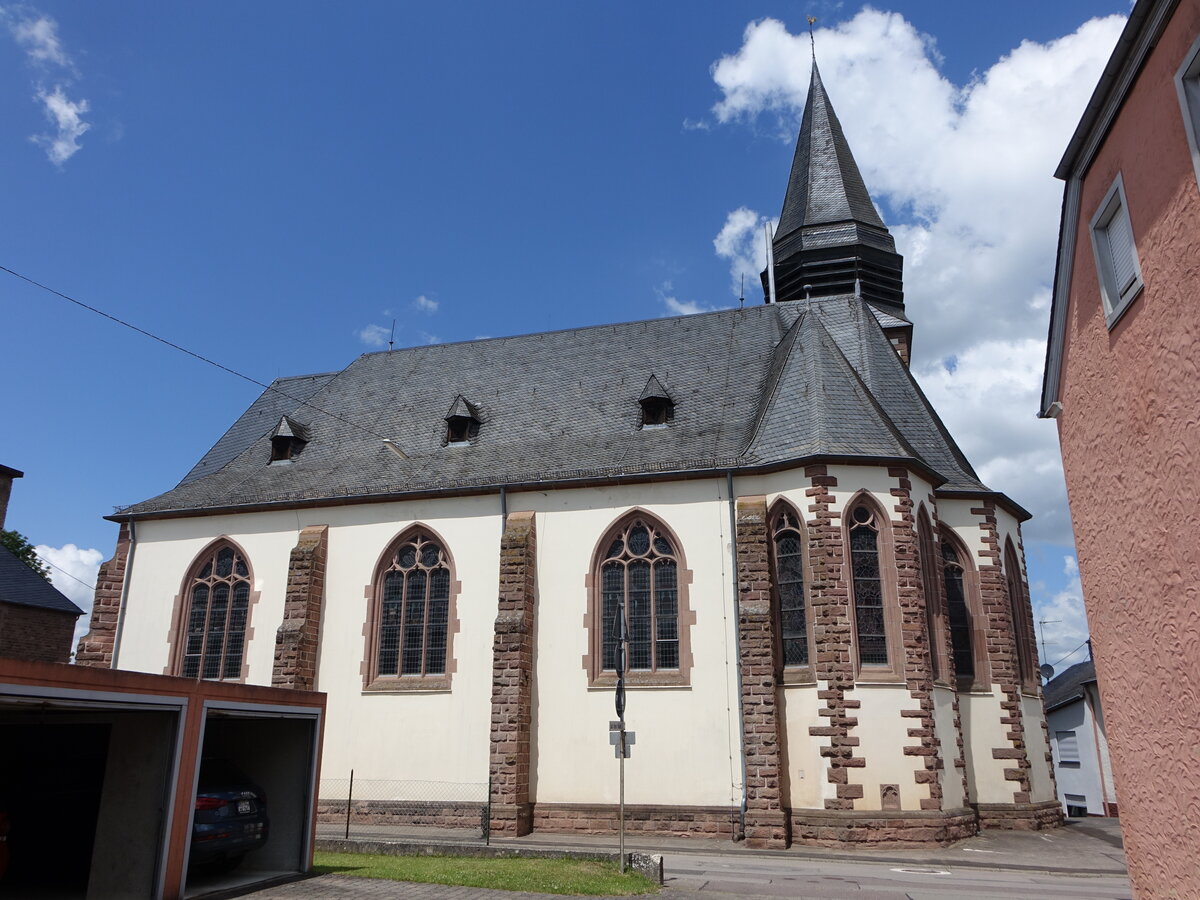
1068,687
21,585
1147,20
752,388
11,472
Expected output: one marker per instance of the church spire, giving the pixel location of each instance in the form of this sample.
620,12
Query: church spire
829,233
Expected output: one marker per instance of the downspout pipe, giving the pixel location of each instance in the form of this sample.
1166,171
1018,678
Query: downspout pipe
124,592
737,646
503,508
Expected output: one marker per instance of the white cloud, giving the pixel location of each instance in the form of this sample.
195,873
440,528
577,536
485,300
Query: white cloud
425,305
965,176
742,241
67,117
37,35
677,307
73,571
429,338
39,38
374,335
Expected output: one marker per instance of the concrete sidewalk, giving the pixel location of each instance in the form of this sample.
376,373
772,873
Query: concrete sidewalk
1082,847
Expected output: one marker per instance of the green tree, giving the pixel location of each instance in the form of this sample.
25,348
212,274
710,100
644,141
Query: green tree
23,550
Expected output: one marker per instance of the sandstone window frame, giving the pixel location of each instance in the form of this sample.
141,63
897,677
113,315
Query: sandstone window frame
1114,247
182,608
973,601
796,673
419,534
1187,87
932,584
1025,653
893,669
593,659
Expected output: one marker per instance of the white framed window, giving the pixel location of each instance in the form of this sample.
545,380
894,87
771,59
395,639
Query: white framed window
1068,748
1187,86
1117,264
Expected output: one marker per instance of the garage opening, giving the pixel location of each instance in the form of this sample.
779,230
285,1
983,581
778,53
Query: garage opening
83,796
252,812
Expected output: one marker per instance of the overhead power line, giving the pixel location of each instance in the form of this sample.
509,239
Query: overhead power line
191,353
90,587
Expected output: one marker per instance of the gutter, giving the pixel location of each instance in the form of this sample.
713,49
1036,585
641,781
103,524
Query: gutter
737,648
916,465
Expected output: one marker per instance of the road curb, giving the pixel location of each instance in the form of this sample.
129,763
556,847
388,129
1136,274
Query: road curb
502,848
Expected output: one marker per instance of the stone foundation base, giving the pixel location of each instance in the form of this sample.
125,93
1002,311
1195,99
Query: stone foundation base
893,828
1020,816
512,820
601,818
403,812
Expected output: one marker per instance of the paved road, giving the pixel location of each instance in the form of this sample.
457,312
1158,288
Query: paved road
699,877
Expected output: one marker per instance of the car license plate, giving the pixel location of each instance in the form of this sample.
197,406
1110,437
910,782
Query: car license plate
243,807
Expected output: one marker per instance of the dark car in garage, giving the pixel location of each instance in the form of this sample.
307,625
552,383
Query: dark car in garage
230,818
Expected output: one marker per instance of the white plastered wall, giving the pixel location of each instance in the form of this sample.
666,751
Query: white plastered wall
951,775
809,788
1041,787
435,736
688,749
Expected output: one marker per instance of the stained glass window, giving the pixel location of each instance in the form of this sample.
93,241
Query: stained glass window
414,609
933,597
868,588
640,575
790,611
959,614
214,639
1021,618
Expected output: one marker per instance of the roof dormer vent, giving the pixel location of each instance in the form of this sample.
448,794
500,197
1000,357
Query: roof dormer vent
462,422
288,440
658,409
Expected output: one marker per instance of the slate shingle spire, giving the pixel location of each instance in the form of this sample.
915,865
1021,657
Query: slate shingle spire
830,235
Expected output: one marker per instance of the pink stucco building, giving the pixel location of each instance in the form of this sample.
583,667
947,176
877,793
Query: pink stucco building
1123,380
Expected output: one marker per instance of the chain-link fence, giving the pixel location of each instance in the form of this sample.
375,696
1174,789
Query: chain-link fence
385,808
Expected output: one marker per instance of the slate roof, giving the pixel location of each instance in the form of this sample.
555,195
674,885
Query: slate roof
827,203
752,388
21,585
1068,687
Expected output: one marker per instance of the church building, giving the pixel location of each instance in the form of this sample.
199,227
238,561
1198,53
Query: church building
827,613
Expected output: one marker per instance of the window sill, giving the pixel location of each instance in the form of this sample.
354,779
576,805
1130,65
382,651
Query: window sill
634,680
798,675
878,675
1111,319
408,684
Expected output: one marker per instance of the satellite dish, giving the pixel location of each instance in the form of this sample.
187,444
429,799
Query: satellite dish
1047,671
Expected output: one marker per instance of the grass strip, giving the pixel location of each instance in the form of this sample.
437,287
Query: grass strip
588,877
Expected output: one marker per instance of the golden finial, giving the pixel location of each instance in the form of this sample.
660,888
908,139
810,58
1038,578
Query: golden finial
812,20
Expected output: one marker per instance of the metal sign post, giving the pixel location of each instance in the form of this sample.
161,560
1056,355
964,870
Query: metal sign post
616,735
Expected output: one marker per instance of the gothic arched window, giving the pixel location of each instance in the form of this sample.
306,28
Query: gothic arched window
961,635
218,595
411,617
413,591
934,614
869,619
791,612
1022,619
639,576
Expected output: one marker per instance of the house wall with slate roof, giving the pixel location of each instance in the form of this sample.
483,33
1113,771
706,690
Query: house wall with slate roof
1122,381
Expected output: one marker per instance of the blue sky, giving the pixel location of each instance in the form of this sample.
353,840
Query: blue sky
271,184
